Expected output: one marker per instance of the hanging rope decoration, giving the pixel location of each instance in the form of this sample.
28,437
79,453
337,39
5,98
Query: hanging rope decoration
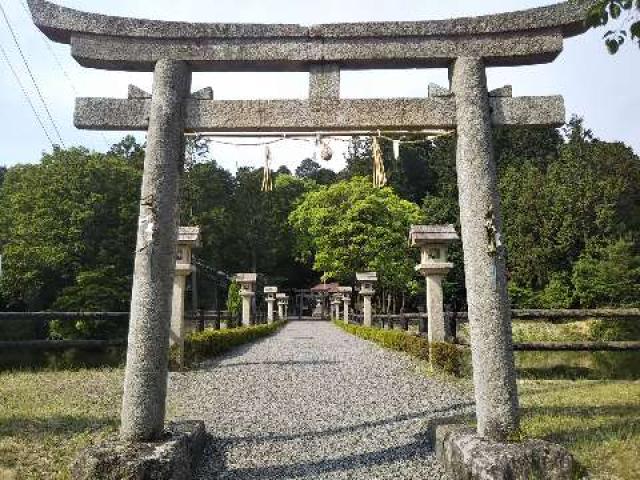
326,153
267,182
396,149
379,175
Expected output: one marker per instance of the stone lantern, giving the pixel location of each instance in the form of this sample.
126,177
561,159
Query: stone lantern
283,303
367,281
270,292
346,300
434,241
188,239
247,283
336,301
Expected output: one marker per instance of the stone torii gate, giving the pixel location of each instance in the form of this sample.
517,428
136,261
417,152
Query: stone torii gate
173,50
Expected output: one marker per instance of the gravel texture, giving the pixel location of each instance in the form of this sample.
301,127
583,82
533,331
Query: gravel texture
314,402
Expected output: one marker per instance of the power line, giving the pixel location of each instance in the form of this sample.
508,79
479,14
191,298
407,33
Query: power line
33,80
61,66
26,95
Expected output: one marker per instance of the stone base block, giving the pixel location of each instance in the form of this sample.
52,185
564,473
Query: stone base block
175,457
466,456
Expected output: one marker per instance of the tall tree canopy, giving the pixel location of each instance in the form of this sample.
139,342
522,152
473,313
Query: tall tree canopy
352,226
605,12
69,222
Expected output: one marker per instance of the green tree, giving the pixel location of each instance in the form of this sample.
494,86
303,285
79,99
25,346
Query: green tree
286,269
605,12
129,149
352,226
234,301
608,275
312,170
64,223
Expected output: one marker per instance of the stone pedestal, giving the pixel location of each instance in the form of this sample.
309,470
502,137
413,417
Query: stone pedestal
174,457
270,293
145,382
188,238
247,283
434,241
367,281
318,311
270,310
338,306
176,338
346,300
283,304
484,254
466,455
247,299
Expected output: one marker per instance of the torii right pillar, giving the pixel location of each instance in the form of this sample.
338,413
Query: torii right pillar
494,375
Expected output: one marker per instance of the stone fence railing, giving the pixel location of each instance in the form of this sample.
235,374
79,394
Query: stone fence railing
31,330
418,323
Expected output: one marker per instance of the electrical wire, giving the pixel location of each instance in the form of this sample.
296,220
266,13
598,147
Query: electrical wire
33,80
58,62
428,137
26,95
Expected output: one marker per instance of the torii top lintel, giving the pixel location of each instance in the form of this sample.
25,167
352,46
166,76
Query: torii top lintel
118,43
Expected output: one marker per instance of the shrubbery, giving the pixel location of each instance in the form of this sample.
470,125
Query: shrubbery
445,356
209,343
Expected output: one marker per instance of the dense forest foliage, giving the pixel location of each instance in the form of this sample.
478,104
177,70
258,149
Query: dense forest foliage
571,207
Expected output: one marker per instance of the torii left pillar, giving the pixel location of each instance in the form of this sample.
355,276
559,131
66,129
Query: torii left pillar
145,382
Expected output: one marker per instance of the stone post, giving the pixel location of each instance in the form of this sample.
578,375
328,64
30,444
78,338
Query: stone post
484,255
346,300
337,301
367,280
188,238
145,381
271,300
286,307
433,241
247,283
282,303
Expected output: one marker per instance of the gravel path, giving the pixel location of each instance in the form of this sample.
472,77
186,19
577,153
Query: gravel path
314,402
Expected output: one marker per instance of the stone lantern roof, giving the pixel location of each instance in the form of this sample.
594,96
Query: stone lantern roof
246,277
189,236
367,277
432,234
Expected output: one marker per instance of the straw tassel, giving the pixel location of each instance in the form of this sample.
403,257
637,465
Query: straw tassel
267,183
379,175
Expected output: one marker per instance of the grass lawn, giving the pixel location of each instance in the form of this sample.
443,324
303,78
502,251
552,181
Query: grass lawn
47,416
597,420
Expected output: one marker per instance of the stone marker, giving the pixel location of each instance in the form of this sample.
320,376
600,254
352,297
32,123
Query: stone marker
247,283
283,303
335,305
434,241
346,300
271,300
188,238
366,281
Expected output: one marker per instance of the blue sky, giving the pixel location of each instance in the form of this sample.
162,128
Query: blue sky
600,87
